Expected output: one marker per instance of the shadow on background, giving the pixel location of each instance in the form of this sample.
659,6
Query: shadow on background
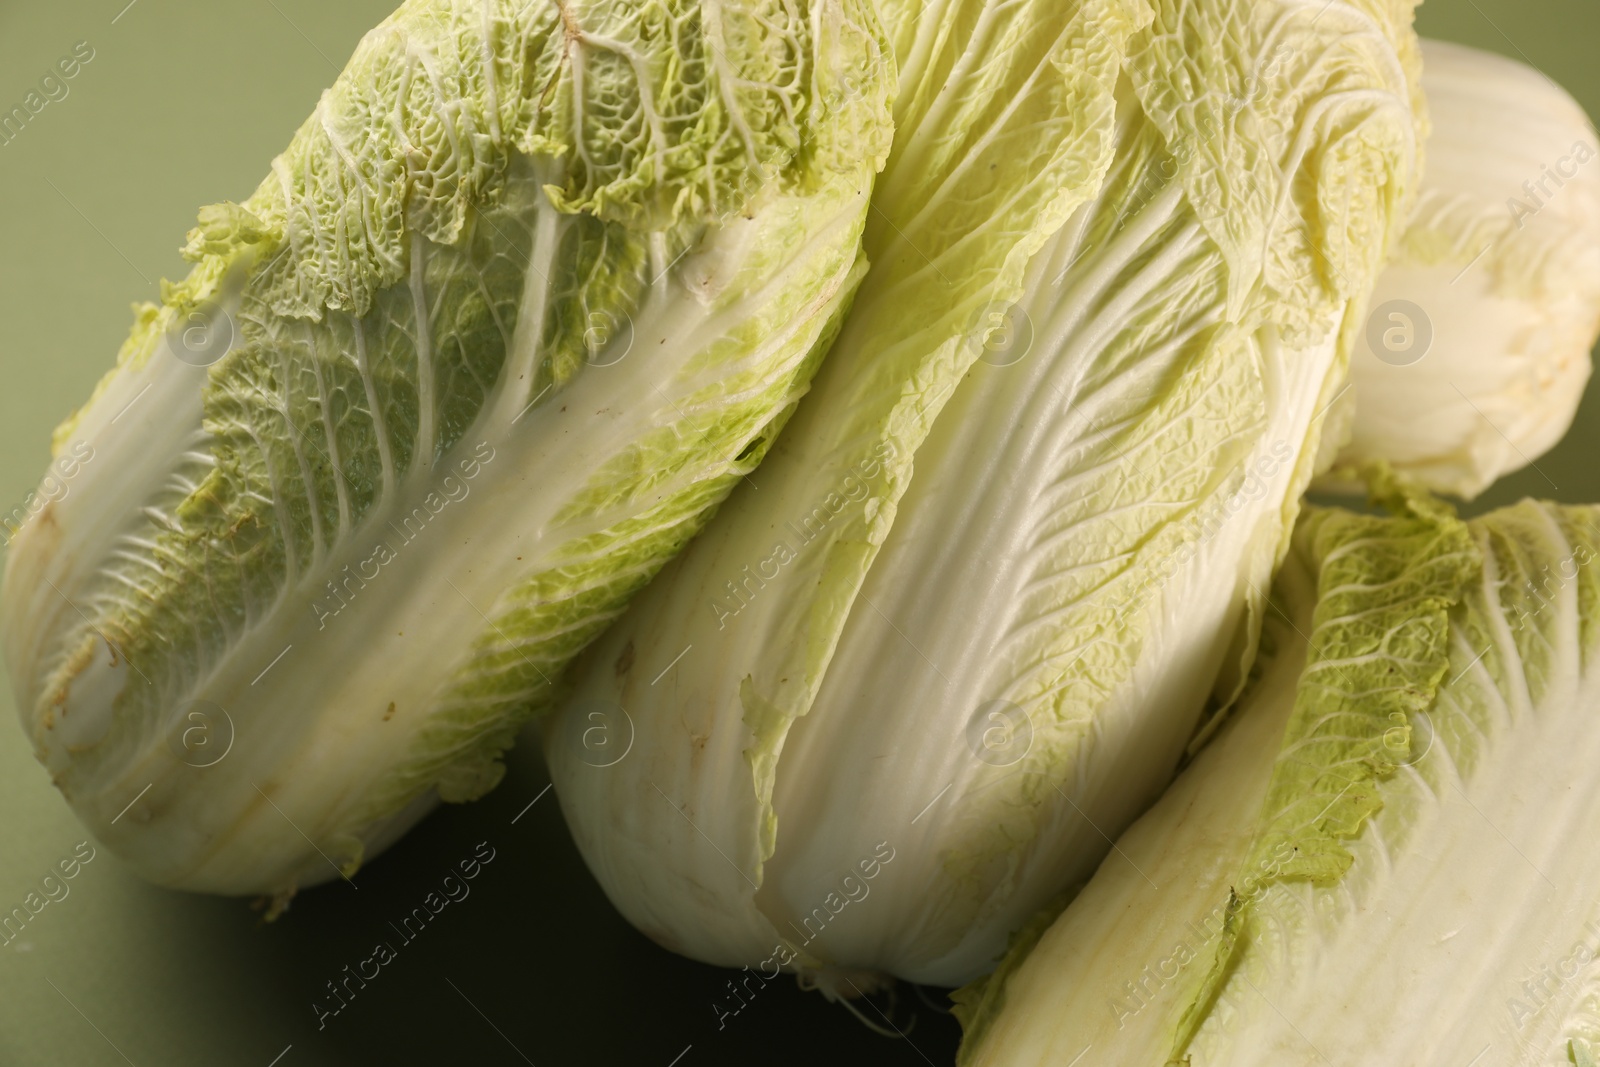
526,962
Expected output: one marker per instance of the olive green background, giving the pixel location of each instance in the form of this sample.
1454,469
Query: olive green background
185,103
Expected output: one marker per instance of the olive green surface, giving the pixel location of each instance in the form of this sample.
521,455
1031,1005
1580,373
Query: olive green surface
184,103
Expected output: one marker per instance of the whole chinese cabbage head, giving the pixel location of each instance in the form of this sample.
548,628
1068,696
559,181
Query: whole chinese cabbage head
965,622
1476,353
527,294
